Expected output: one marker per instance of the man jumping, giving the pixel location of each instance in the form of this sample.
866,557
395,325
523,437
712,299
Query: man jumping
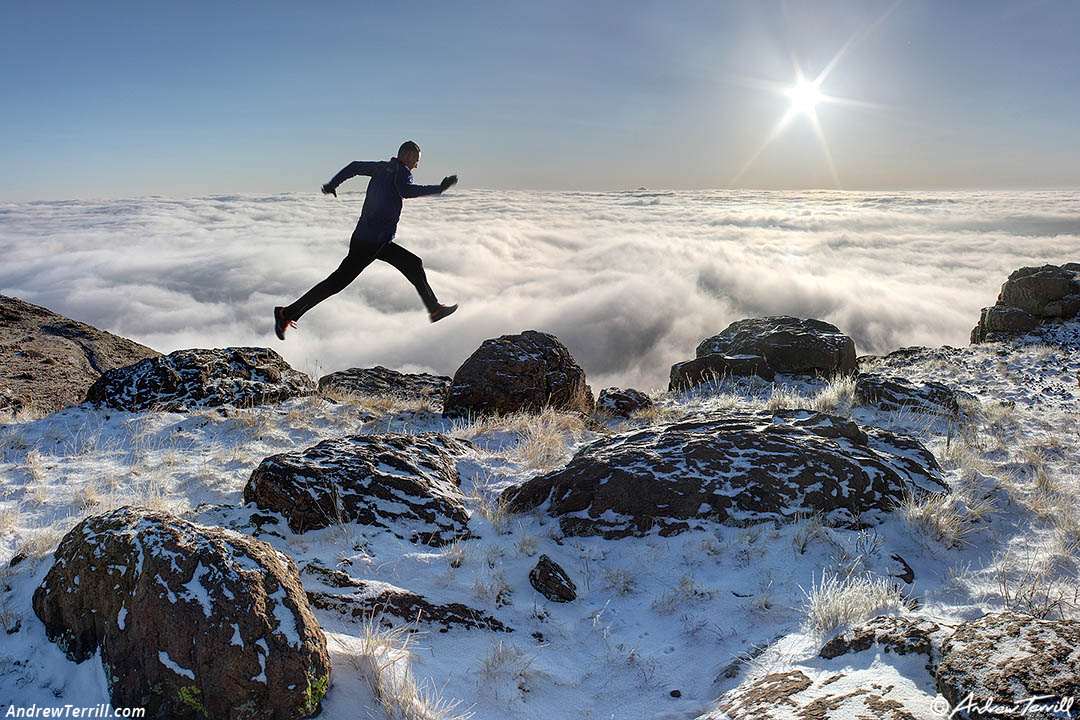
374,234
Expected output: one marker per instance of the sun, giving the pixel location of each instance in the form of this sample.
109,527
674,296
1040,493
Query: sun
804,97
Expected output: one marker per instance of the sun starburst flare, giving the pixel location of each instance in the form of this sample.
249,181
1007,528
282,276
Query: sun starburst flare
806,95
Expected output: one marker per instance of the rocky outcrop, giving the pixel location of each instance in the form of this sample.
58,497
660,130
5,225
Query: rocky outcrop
550,580
880,693
893,634
48,361
742,468
766,346
622,403
381,382
361,599
407,484
191,621
526,372
186,379
895,393
1008,659
1031,296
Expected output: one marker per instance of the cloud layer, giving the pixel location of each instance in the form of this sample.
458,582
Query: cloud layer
629,281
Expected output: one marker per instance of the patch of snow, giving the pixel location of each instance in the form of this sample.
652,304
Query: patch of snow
167,661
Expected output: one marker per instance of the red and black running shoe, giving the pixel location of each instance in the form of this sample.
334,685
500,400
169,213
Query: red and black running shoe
440,312
281,324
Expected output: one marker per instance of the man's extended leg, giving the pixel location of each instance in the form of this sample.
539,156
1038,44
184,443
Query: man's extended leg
412,267
359,257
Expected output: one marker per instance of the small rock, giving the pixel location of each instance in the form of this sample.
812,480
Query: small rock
552,582
623,403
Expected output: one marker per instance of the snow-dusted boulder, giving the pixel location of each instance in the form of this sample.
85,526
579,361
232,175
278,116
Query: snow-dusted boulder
788,345
622,403
337,591
191,621
185,379
893,634
511,373
1031,296
894,393
1009,659
744,468
47,361
407,484
381,381
881,693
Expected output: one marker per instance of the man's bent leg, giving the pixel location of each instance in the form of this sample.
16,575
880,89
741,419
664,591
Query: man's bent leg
359,257
412,267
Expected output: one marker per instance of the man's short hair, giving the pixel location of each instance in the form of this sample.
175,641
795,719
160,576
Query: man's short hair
408,148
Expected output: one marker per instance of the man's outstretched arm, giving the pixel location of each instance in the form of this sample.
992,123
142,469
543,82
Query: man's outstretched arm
353,169
408,190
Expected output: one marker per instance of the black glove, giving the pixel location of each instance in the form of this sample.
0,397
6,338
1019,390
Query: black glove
447,182
329,189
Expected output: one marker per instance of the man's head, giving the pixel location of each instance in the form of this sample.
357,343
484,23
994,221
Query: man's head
409,154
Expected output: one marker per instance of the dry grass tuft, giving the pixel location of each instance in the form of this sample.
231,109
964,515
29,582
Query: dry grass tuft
508,663
543,439
382,658
835,603
807,529
837,397
687,590
948,519
489,504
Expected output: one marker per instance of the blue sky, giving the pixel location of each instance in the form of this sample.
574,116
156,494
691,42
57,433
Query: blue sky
114,99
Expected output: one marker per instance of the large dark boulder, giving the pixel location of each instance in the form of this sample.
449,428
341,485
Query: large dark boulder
48,361
766,346
186,379
526,372
1045,292
382,382
191,621
1030,297
1008,659
407,484
739,468
788,344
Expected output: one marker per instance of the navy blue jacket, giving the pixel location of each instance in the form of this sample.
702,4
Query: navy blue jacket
390,182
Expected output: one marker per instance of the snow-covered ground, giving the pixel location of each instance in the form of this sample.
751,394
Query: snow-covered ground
658,620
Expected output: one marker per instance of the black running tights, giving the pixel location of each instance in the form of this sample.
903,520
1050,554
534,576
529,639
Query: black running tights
361,254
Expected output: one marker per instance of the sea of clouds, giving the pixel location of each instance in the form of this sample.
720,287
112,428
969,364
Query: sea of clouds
630,281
